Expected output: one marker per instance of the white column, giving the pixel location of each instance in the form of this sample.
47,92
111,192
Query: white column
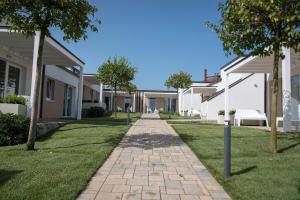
192,95
33,70
179,100
34,63
182,105
133,106
101,94
80,89
226,94
286,90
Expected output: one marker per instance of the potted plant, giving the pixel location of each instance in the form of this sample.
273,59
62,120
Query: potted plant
221,114
231,116
185,113
13,104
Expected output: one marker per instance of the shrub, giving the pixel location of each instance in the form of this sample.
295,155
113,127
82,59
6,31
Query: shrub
13,99
96,112
13,129
221,112
232,112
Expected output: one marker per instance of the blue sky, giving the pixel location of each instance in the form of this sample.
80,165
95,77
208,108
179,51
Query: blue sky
159,37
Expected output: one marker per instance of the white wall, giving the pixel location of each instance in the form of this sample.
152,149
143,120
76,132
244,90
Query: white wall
248,94
232,79
61,75
193,102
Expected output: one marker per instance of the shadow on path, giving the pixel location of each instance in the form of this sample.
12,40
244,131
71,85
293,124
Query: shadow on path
149,141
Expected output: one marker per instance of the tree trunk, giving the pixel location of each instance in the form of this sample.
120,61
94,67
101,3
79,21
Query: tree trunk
35,98
115,102
274,100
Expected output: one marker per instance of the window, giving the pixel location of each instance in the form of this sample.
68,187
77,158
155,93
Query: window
50,89
13,82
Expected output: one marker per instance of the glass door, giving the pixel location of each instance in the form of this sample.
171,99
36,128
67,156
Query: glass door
127,103
13,82
68,94
152,104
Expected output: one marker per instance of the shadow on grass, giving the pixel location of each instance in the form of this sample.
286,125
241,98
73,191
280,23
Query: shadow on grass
291,136
113,140
244,171
5,175
282,150
84,124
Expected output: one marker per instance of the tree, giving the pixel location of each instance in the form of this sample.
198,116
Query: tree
117,73
27,17
179,80
130,88
260,28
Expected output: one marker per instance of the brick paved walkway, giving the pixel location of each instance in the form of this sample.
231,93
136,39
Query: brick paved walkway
152,162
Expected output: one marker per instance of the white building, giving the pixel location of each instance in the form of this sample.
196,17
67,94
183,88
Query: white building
62,74
246,84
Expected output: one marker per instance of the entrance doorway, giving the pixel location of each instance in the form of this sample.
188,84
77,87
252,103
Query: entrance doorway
127,103
152,104
68,96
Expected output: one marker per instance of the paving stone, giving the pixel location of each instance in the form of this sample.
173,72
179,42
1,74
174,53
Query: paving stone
192,189
174,191
189,197
106,188
109,196
136,189
121,188
132,196
151,188
137,182
150,195
170,197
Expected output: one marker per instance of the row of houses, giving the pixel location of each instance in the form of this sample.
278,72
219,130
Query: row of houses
65,89
243,83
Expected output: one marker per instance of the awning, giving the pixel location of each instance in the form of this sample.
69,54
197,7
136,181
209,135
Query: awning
54,53
201,89
256,64
160,94
91,78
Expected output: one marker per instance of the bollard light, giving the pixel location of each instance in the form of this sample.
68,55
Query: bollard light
227,149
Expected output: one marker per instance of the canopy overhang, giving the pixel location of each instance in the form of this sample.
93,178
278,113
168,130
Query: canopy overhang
200,89
160,94
14,43
91,78
257,64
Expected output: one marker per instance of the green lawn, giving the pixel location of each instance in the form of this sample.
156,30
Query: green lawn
170,116
256,173
64,161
